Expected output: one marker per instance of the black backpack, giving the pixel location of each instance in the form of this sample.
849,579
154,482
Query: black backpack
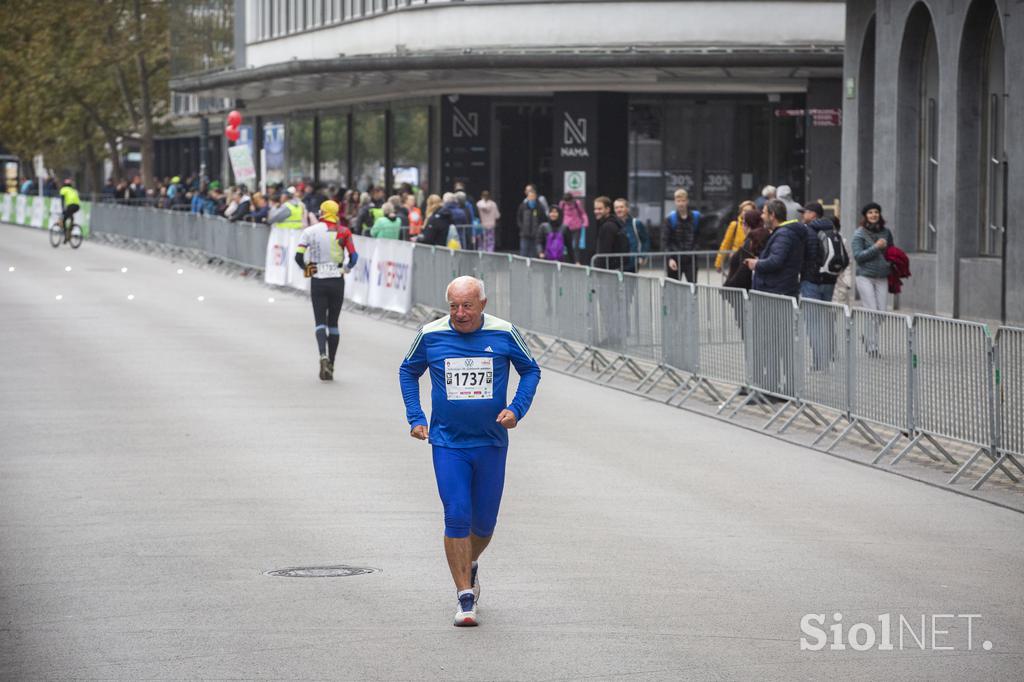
832,255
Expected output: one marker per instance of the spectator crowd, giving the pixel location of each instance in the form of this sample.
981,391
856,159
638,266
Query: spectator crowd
774,244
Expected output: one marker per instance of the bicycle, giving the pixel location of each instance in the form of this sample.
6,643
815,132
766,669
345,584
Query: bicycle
71,235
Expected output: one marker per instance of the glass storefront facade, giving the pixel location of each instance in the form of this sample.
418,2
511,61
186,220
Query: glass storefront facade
299,139
411,145
357,148
333,148
722,150
369,149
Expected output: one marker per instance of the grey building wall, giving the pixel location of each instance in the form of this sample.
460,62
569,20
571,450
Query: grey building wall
879,150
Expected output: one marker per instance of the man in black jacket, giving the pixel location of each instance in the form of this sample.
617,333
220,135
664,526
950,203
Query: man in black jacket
777,270
436,230
609,235
679,233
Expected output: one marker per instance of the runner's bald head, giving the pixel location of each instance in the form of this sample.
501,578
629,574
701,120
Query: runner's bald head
465,286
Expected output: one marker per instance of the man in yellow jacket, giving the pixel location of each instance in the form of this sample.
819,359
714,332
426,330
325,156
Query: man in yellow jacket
69,199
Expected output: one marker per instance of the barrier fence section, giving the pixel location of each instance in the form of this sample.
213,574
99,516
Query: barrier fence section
775,339
495,269
571,306
237,242
879,377
1009,396
679,345
952,388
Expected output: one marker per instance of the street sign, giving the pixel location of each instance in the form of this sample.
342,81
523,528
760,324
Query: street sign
575,183
820,118
40,167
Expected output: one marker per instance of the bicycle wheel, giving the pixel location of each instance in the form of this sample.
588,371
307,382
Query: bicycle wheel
56,235
76,236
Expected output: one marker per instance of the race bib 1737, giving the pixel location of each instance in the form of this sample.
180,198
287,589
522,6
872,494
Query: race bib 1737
469,378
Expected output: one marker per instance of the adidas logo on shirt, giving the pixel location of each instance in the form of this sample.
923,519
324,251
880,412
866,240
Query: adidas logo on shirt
488,350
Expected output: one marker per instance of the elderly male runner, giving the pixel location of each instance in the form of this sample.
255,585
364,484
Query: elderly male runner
468,354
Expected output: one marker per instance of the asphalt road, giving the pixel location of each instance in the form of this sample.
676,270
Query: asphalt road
159,454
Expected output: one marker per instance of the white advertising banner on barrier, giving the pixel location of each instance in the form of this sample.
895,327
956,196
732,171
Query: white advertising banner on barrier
357,282
382,277
296,280
281,268
40,209
276,269
21,209
7,208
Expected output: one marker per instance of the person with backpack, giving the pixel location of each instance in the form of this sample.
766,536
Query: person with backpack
574,216
679,234
636,233
825,256
611,236
528,218
555,238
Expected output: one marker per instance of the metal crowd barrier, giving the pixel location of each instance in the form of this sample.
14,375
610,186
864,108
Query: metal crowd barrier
880,376
572,308
775,345
495,269
658,260
1009,399
241,243
713,325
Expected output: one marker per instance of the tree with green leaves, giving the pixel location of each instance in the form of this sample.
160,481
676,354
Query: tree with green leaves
80,76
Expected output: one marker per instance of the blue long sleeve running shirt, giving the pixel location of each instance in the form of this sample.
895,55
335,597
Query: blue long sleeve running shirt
469,380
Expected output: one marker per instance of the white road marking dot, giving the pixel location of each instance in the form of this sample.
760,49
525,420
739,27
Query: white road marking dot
131,297
270,300
59,296
200,298
986,645
67,268
10,269
180,271
124,269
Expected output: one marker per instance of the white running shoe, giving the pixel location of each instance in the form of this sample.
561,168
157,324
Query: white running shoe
466,615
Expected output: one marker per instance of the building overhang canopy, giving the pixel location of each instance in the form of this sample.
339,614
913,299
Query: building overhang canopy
348,80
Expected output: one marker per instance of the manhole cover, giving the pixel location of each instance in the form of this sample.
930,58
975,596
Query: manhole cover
321,571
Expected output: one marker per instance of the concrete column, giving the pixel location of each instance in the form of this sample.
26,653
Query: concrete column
948,26
858,20
1012,24
889,36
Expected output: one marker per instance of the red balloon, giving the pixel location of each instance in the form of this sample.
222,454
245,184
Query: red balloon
231,133
234,119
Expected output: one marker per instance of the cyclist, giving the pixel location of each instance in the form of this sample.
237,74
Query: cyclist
69,200
321,255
